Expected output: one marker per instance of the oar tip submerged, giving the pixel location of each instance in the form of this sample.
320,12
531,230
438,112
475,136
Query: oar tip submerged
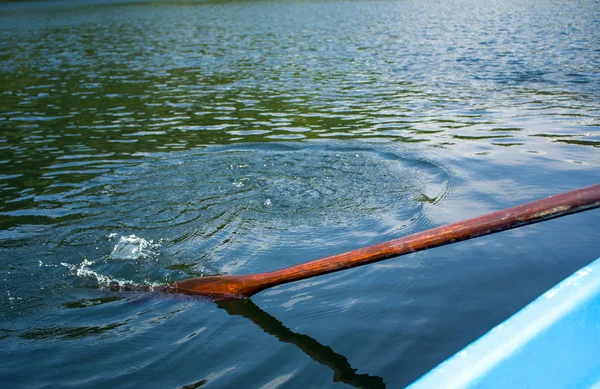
215,287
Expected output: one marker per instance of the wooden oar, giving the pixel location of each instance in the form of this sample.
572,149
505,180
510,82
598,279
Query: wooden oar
243,286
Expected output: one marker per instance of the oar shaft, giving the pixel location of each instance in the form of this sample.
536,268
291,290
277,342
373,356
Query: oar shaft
529,213
225,287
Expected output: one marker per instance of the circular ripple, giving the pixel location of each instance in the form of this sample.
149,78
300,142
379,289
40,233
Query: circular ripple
221,206
247,208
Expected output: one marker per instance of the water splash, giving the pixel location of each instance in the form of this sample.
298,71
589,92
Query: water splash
83,270
131,265
133,247
101,281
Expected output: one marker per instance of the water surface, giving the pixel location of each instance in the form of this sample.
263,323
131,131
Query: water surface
150,141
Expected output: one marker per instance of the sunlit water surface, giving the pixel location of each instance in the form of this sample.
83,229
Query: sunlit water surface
147,142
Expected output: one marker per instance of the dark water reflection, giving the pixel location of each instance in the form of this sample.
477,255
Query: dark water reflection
150,141
343,372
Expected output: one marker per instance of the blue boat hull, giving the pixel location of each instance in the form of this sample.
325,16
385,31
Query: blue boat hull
554,342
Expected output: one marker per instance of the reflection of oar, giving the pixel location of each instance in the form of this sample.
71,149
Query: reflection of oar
342,371
242,286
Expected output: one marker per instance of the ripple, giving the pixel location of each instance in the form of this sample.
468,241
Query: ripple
69,332
226,209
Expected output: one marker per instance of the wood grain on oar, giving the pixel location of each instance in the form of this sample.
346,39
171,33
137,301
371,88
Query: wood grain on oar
243,286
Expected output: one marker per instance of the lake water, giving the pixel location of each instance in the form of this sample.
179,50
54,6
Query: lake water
153,141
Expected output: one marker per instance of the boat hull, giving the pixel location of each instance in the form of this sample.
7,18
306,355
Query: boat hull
554,342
